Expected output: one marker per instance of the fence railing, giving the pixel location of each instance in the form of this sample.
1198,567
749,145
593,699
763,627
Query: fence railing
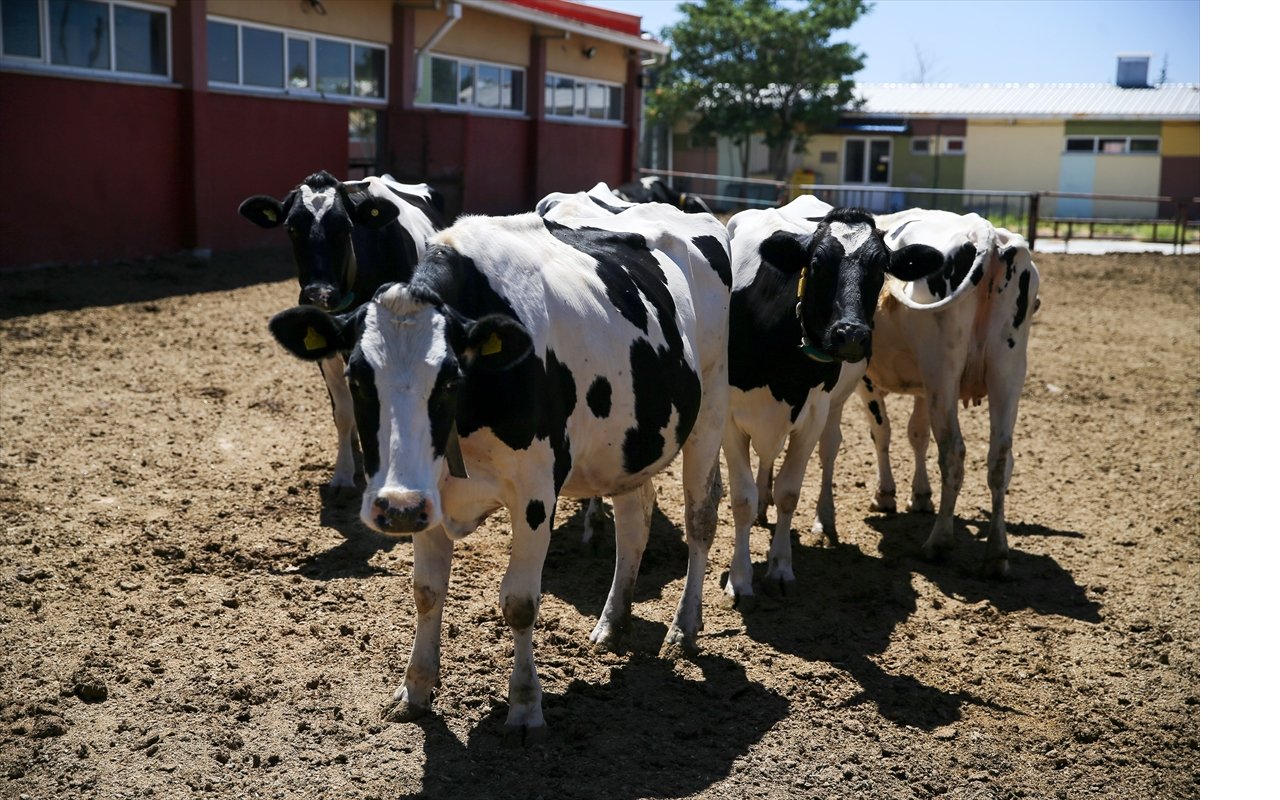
1058,215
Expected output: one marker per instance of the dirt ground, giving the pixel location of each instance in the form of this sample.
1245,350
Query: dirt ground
184,612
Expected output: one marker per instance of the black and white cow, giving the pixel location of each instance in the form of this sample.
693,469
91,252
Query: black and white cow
529,360
953,338
805,282
651,189
348,239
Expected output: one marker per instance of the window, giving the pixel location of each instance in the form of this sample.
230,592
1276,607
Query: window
867,161
1113,145
449,81
289,61
579,98
99,35
920,146
953,146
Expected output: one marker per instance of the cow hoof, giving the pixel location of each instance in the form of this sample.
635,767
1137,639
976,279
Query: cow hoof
936,551
779,586
608,637
678,645
885,502
742,603
921,503
996,568
404,711
516,735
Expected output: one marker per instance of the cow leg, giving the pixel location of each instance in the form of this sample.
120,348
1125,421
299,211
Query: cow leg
519,597
702,492
742,500
632,514
918,435
344,417
828,448
873,407
781,576
594,521
1005,381
945,423
764,491
432,558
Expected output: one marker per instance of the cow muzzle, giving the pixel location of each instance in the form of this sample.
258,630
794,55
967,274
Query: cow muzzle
402,512
850,342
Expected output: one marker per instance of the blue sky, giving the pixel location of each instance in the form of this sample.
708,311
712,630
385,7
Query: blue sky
1004,41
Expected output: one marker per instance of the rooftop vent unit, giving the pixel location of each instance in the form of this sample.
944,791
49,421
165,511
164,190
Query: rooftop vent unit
1131,71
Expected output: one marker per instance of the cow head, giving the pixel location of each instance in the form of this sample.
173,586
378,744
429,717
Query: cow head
412,359
320,217
842,266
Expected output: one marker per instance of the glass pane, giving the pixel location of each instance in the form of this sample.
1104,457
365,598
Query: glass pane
1144,145
1080,145
955,145
920,146
78,34
299,64
488,86
615,102
580,99
879,161
466,84
21,27
263,57
371,70
224,54
444,81
563,105
1111,145
855,157
142,41
597,100
513,89
333,67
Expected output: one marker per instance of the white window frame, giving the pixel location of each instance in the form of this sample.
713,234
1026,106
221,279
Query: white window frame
866,163
946,146
311,91
928,145
44,62
585,84
470,107
1128,145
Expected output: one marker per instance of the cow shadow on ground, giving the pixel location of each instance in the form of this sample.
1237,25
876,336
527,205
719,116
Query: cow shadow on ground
340,512
851,603
581,574
138,281
657,732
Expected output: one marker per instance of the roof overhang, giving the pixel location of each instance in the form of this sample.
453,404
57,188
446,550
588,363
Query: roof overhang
572,19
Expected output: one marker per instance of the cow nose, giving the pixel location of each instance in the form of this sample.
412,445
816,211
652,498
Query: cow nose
402,512
850,341
318,295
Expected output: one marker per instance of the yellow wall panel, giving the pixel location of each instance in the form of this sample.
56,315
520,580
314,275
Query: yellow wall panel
366,20
477,35
1180,139
565,56
1021,157
812,157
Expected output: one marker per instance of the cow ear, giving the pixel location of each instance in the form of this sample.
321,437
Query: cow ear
496,342
915,261
786,251
312,334
374,212
263,211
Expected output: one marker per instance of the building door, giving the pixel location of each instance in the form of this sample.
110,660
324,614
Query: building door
867,161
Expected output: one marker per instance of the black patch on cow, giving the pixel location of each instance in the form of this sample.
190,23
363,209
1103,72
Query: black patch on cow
1012,343
718,258
954,269
456,280
1008,255
764,341
898,230
606,206
660,380
442,405
874,408
867,382
535,514
429,206
563,399
600,397
1024,288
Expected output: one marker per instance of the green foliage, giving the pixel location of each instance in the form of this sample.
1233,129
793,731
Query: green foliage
742,67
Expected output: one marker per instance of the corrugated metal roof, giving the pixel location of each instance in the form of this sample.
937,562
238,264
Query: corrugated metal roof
1062,100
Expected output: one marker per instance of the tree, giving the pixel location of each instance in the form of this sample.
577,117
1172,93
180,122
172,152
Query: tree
743,67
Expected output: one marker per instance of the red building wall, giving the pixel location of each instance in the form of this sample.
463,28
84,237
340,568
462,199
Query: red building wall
75,154
573,158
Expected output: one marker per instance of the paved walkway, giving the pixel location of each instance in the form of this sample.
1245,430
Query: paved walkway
1100,246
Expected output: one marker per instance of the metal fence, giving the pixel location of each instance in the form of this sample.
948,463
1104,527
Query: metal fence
1036,215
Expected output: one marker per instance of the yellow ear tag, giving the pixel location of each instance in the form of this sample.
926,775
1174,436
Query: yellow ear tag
492,345
373,212
269,214
313,340
800,286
